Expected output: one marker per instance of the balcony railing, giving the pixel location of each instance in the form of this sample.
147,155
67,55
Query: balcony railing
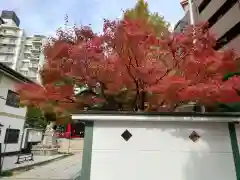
26,60
8,61
23,72
23,69
9,34
35,66
32,76
35,50
34,58
27,52
6,43
37,41
28,44
4,51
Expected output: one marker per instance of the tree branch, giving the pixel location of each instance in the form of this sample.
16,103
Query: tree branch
134,103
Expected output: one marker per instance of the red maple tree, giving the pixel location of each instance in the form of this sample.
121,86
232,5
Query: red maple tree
129,66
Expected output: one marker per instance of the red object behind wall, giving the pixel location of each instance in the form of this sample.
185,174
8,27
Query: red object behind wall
72,131
68,131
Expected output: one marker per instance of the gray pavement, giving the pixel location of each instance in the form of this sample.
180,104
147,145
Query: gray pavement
9,162
63,169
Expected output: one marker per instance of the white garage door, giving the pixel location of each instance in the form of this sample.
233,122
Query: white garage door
161,151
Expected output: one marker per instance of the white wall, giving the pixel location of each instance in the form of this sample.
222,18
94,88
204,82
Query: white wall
7,83
9,115
14,123
74,145
161,150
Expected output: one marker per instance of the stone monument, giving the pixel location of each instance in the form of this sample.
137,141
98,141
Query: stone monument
49,145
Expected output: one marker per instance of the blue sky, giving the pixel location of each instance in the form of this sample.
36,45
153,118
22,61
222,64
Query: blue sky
45,16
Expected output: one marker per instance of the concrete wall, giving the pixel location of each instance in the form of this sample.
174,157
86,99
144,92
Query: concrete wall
225,23
161,150
70,146
10,116
231,18
234,44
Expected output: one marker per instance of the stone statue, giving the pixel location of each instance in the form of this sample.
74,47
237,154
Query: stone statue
49,138
49,145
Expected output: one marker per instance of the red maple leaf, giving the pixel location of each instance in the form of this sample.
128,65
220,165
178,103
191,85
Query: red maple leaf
130,61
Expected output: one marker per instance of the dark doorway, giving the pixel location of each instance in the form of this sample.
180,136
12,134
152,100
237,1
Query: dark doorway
77,130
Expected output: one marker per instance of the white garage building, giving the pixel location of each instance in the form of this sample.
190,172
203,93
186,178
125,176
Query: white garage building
12,116
179,146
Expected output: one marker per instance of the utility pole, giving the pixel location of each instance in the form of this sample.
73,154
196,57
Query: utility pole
194,15
193,12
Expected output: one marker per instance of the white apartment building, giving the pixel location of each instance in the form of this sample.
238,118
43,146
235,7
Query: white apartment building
11,39
223,17
18,51
32,57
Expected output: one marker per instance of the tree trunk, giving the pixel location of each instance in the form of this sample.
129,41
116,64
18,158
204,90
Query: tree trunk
142,99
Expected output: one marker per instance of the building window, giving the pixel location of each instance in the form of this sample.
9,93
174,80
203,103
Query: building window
12,99
11,136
